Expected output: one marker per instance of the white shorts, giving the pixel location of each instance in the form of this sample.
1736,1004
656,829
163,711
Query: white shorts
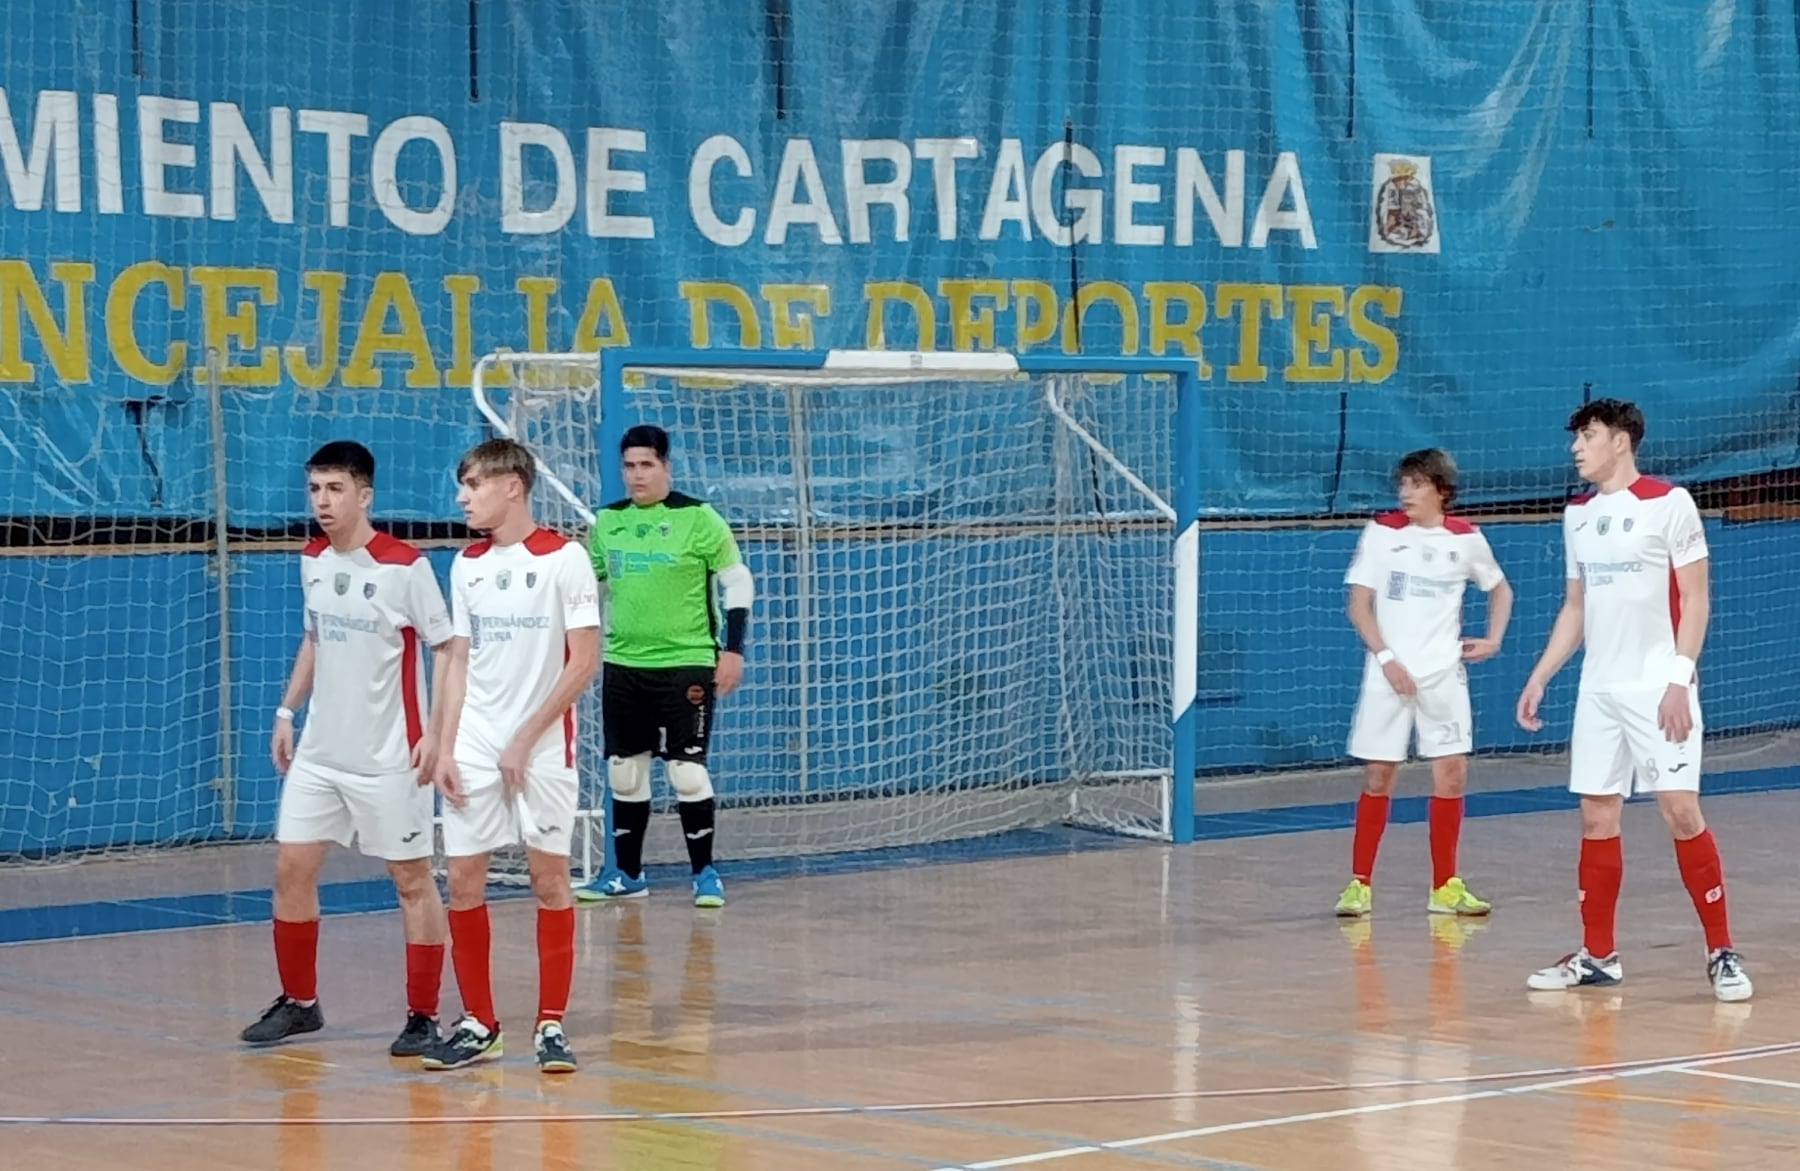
543,819
388,816
1385,721
1616,737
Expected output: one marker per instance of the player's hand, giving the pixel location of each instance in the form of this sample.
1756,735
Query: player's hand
1399,678
449,781
1527,711
425,760
512,767
1477,649
1673,715
728,674
281,745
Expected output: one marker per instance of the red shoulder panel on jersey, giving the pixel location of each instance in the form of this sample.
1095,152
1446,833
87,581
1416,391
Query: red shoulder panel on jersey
1457,525
478,548
544,541
316,546
392,550
1583,498
1393,519
1650,488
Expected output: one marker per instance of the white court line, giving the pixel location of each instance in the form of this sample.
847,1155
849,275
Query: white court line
1743,1077
1681,1066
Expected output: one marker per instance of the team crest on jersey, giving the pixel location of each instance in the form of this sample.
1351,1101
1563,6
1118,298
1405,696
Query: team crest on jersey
1604,525
1627,524
663,528
1452,556
643,531
342,583
368,589
530,580
503,579
1429,556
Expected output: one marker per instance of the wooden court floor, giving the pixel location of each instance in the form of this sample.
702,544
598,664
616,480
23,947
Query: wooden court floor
1137,1007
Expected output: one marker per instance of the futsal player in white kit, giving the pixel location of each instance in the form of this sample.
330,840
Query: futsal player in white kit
526,609
1407,580
362,768
1638,599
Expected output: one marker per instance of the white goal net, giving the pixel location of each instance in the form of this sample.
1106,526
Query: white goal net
964,604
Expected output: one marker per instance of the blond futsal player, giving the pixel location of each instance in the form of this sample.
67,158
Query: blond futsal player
526,608
1638,599
1407,581
362,768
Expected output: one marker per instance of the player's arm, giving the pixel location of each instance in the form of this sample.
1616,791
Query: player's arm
450,689
575,582
1565,634
580,660
1363,579
1688,555
299,687
1565,640
596,553
430,617
737,589
1693,586
1486,572
1362,618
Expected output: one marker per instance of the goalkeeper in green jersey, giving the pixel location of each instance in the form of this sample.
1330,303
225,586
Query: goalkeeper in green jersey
658,554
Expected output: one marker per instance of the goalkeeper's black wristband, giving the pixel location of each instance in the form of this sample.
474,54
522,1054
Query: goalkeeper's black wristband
737,622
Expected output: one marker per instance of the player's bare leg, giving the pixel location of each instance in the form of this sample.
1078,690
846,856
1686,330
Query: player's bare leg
556,957
1697,856
426,927
1371,821
296,908
1601,872
1449,894
476,1036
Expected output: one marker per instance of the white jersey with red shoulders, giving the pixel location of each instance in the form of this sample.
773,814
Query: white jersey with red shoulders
366,613
1419,575
1625,547
516,604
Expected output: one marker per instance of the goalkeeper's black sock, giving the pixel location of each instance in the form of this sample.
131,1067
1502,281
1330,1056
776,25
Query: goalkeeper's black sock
697,828
630,820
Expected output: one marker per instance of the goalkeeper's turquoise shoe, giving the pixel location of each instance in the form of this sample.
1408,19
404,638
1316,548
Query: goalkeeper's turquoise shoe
709,889
611,886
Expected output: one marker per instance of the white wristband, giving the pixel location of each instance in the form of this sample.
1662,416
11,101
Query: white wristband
285,713
1384,656
1682,673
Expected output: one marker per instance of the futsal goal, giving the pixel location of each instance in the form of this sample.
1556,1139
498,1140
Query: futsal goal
977,579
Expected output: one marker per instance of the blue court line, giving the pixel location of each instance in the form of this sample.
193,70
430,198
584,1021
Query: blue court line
160,913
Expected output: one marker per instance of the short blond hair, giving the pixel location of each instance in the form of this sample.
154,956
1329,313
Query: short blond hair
499,457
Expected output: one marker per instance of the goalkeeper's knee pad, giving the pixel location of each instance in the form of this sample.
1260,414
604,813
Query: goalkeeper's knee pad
629,777
691,781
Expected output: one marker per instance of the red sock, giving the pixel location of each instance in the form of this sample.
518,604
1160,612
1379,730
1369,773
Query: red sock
424,975
1704,876
297,958
1445,815
470,944
1601,873
556,961
1371,819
